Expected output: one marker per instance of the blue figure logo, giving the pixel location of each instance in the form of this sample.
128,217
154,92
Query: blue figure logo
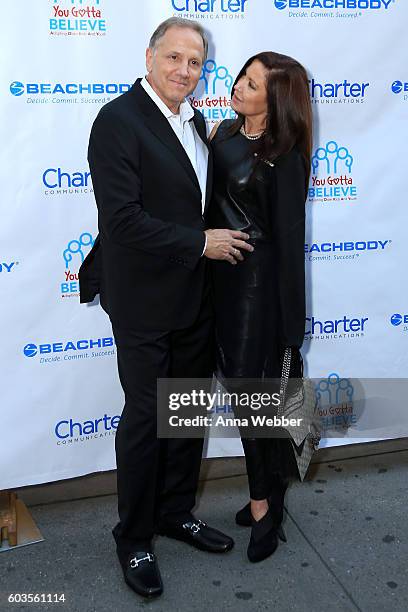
281,4
396,319
397,87
219,74
331,157
75,247
334,390
17,88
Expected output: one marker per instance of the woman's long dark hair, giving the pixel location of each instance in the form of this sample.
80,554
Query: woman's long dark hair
289,117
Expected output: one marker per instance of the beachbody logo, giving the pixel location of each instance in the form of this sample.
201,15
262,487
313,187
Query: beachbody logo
210,9
398,319
212,96
335,329
335,9
68,19
70,350
344,92
69,431
7,267
67,93
400,87
73,257
59,182
332,251
331,179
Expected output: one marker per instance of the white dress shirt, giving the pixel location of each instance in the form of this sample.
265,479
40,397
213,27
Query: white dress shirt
185,131
187,134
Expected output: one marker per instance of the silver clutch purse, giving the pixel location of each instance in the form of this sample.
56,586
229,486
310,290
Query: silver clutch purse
298,401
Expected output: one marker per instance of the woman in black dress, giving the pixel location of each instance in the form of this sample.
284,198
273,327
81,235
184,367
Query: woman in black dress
261,172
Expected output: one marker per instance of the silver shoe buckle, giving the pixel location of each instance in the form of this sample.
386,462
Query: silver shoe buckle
135,561
194,527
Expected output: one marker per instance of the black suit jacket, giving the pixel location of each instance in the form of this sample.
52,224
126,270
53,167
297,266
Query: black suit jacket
146,262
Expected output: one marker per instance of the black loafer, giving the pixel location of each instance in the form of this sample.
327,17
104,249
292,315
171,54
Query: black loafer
244,518
142,575
198,534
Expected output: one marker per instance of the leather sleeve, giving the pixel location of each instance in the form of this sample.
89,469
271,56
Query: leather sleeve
289,237
116,175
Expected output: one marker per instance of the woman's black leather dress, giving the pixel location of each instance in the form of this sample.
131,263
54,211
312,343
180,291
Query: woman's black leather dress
248,304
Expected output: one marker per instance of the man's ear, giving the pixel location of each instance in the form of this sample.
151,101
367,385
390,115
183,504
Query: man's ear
149,59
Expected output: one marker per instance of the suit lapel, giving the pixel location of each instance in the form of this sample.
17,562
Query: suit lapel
160,127
201,131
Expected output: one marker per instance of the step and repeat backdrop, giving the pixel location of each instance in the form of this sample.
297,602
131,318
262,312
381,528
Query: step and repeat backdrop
62,60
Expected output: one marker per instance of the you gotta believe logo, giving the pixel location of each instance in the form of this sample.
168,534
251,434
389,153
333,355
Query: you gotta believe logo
58,182
335,9
212,96
335,407
72,18
73,256
331,178
210,9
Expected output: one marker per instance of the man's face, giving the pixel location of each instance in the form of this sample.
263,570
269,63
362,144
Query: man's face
175,65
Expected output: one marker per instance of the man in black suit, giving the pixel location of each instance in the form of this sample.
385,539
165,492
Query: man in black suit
151,172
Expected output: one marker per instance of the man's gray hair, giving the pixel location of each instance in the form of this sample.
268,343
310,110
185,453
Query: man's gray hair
180,23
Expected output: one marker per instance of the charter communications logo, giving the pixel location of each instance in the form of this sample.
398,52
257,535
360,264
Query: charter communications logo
68,431
335,329
60,182
210,9
343,92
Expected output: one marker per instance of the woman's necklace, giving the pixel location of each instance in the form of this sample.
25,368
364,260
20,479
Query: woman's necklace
250,136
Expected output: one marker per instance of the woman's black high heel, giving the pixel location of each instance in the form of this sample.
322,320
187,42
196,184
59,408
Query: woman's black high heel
264,538
244,519
276,500
243,516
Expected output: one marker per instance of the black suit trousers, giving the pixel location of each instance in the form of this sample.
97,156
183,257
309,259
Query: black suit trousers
156,477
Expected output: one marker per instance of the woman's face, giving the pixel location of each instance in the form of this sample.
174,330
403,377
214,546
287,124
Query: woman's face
250,96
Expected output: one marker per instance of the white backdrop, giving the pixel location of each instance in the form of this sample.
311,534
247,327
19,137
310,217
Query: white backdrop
63,59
